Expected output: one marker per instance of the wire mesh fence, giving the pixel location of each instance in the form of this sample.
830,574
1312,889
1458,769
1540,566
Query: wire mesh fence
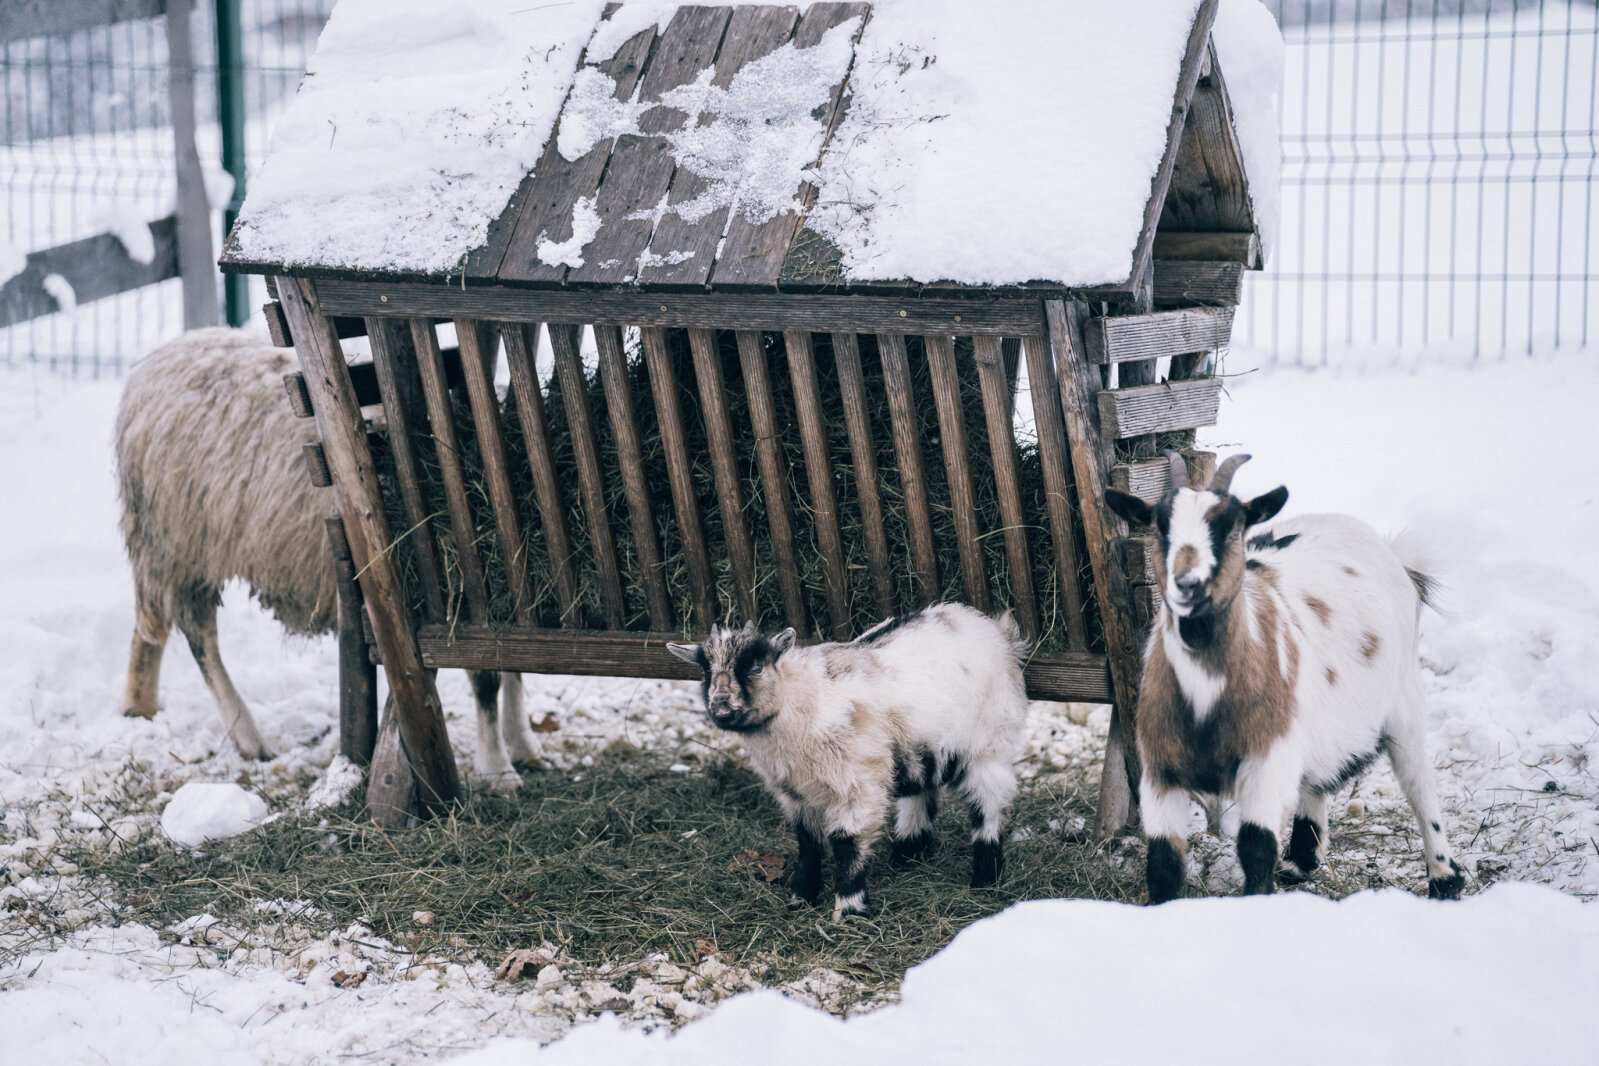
1438,173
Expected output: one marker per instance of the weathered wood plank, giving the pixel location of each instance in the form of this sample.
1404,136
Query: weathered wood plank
1058,489
778,313
316,465
669,416
908,455
852,386
753,254
278,326
521,343
545,202
1190,284
1140,553
952,438
364,379
399,384
1158,408
358,677
196,261
819,474
639,173
463,531
1150,480
619,404
1122,338
564,343
21,19
1213,247
343,434
1002,449
95,267
477,366
682,253
724,466
1209,190
1063,676
774,475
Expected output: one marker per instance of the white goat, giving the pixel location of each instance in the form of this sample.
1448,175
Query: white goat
1279,668
924,701
214,486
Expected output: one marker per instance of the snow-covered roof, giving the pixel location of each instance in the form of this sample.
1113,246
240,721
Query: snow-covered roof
993,143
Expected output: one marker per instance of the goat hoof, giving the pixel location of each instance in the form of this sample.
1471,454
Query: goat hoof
1289,873
847,906
911,850
503,781
1447,887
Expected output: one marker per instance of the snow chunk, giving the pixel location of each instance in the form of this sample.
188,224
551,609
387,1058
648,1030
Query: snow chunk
585,225
13,261
202,811
66,297
334,787
1250,50
127,224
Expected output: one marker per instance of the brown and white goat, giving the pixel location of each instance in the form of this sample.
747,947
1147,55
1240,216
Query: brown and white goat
1282,664
925,701
214,486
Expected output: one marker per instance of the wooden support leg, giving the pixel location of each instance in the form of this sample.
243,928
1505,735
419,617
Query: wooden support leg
1117,791
358,676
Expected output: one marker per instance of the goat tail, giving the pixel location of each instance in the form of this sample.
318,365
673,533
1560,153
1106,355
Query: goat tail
1020,646
1415,556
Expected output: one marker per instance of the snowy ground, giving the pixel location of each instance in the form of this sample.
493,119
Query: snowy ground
1488,464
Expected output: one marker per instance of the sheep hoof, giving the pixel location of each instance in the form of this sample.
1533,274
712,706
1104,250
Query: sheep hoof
137,712
1447,887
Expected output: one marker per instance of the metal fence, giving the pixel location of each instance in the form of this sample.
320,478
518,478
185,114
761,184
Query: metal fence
1438,173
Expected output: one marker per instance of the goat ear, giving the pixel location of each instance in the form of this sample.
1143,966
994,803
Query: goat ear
1130,507
689,653
749,628
1266,505
783,641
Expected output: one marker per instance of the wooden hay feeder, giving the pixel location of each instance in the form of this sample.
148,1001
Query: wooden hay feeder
675,492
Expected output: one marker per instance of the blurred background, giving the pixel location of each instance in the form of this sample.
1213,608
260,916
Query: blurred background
1438,175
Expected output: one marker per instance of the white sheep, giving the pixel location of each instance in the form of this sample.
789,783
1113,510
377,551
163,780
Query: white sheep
214,486
1279,668
926,701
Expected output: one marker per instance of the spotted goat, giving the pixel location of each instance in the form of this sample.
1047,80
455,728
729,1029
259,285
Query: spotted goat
920,704
1281,665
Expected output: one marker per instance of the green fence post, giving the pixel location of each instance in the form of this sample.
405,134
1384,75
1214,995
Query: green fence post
230,113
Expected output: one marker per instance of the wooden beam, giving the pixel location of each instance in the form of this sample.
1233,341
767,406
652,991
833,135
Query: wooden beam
1123,338
95,267
22,19
343,433
1217,247
1190,284
358,678
196,256
1170,405
774,312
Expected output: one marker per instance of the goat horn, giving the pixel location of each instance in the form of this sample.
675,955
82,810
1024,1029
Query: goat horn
1179,469
1223,480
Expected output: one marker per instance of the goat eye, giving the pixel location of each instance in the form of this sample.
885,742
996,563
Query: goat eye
756,668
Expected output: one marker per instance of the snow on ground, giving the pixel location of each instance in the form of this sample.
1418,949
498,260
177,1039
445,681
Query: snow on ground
1486,463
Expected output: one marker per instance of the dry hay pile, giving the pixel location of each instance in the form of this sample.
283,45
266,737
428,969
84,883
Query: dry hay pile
863,611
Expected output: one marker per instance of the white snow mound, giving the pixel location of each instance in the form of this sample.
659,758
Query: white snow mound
201,811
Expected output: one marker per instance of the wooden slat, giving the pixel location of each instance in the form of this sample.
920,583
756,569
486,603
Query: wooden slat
724,466
1058,495
521,342
1121,338
316,465
619,404
856,314
1002,448
564,342
1158,408
399,385
852,386
1149,480
463,532
639,173
1209,191
1191,284
477,366
364,379
1217,247
358,681
545,201
1092,455
819,473
753,31
679,473
952,436
1140,553
343,434
753,253
95,267
278,326
774,476
1063,676
908,455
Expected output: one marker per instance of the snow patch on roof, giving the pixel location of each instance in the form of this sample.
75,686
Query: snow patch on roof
1249,49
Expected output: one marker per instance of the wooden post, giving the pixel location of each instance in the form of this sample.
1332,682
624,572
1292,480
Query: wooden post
1092,456
196,263
417,712
358,677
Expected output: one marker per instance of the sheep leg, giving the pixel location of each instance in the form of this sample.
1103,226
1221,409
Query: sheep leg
1165,815
988,787
1307,841
150,632
915,810
806,887
1267,786
491,765
1407,750
200,630
513,722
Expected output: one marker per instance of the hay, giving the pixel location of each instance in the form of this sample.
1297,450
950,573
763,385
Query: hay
863,611
621,861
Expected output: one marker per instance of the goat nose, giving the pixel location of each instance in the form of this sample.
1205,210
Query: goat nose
1189,583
